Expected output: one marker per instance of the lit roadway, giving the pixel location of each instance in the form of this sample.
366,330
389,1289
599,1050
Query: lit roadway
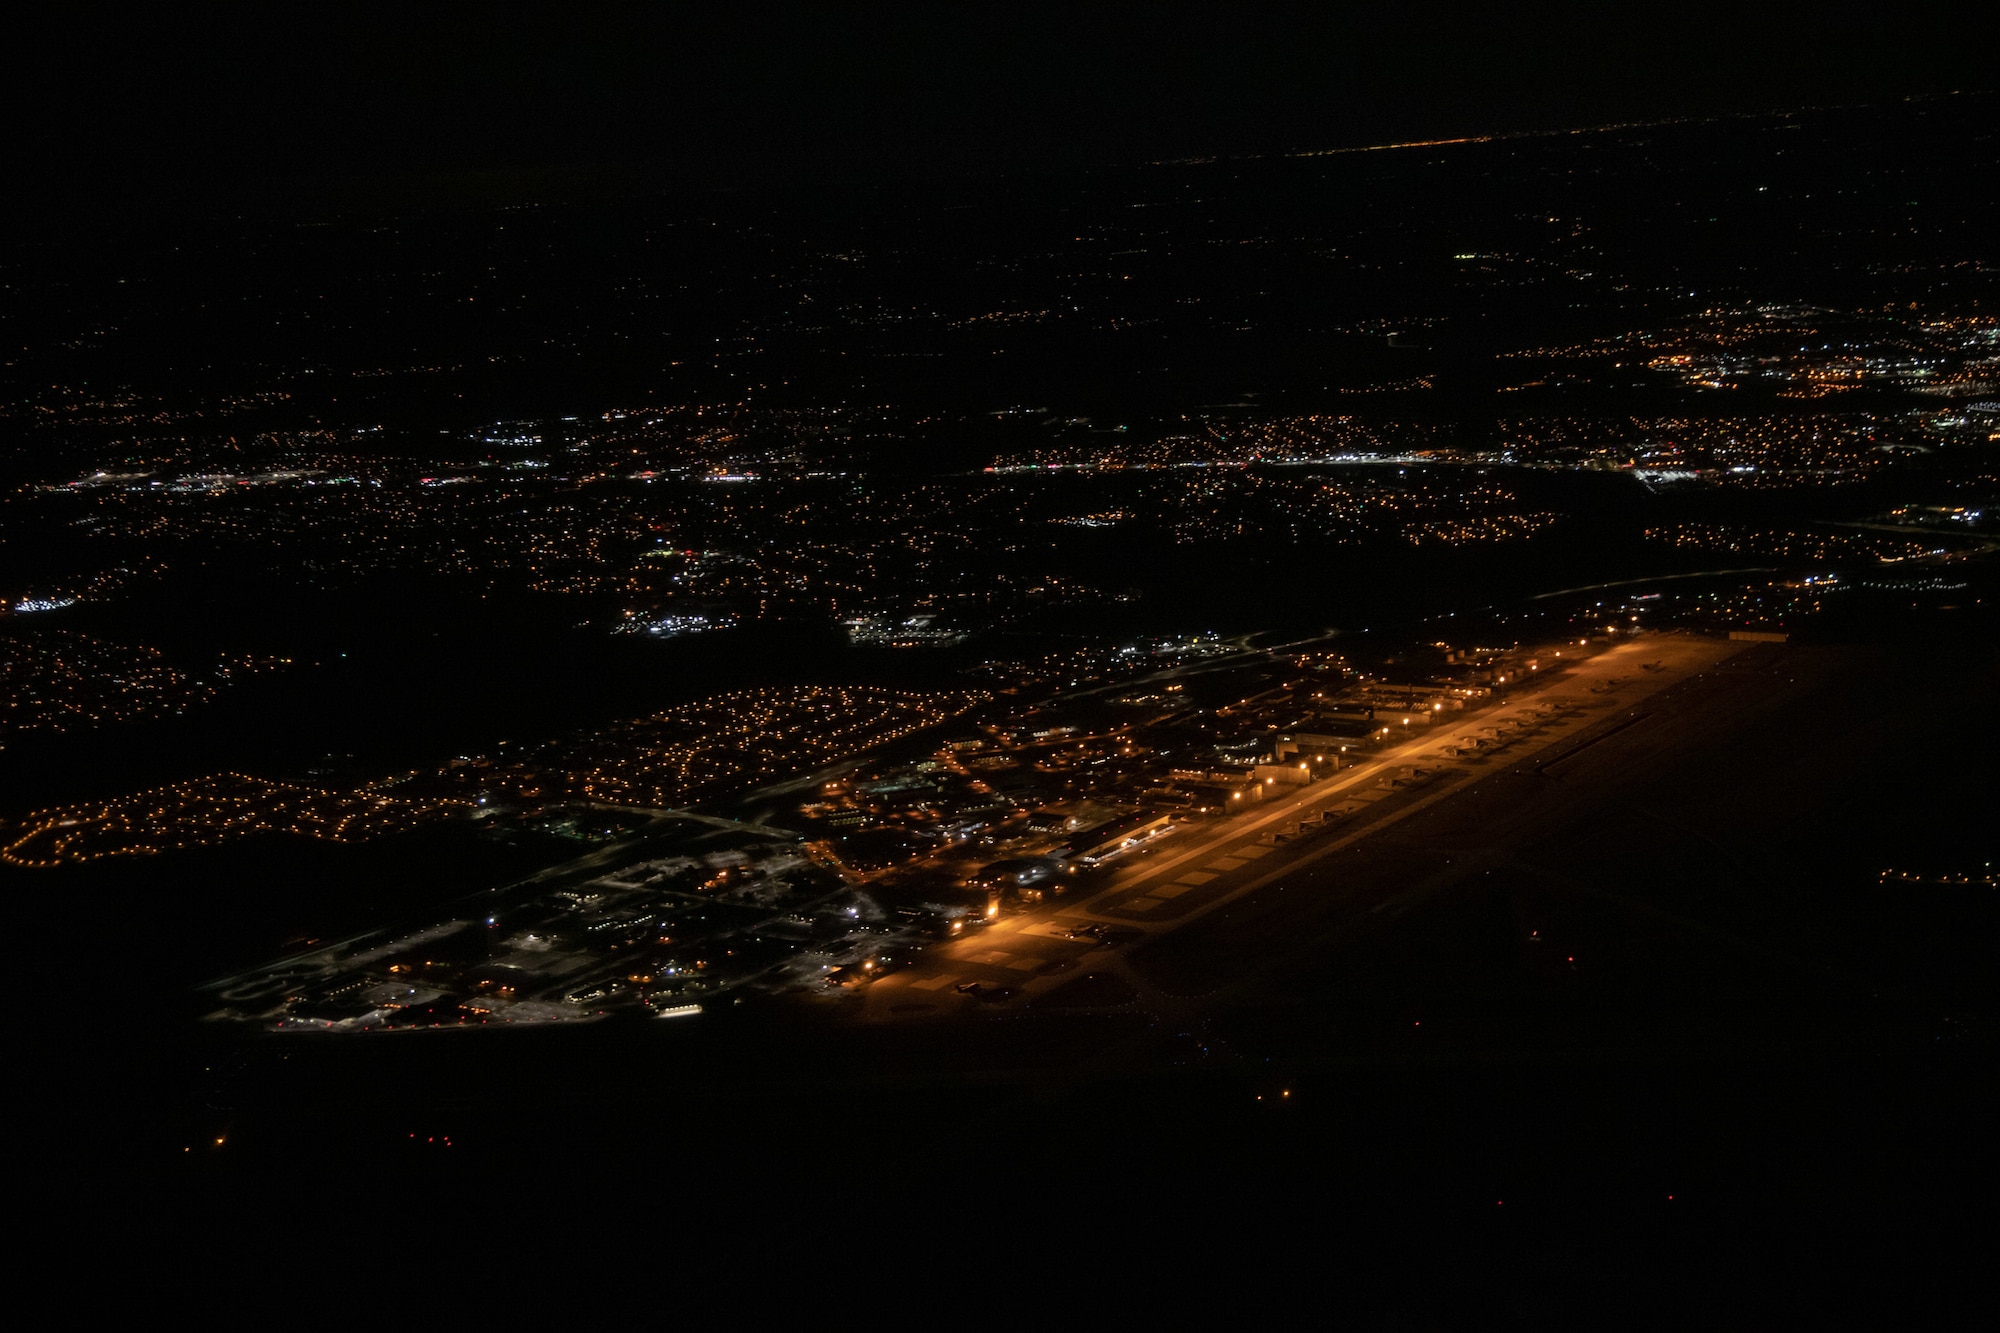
1203,867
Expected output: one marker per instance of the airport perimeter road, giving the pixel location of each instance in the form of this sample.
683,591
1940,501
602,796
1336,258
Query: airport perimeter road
1206,866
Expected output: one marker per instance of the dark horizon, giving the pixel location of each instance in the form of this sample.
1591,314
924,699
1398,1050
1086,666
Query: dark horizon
252,107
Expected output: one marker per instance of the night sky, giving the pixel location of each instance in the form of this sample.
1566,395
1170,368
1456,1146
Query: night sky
249,100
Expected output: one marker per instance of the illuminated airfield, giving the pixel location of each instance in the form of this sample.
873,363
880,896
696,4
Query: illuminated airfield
1206,869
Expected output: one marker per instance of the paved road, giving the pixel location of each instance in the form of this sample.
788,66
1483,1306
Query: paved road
1205,867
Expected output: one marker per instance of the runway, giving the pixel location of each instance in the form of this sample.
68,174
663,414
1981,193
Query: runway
1207,867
